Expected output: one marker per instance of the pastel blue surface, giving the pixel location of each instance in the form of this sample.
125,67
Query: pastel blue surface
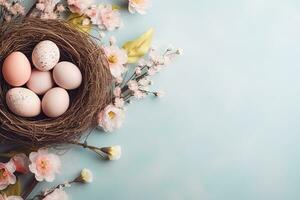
228,128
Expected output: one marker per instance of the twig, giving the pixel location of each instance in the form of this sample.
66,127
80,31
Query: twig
31,9
27,192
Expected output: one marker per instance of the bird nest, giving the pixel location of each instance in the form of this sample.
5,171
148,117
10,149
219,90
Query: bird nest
86,101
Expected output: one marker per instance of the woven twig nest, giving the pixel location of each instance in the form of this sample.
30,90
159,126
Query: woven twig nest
92,96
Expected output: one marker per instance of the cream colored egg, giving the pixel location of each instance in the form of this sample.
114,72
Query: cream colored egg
55,102
23,102
67,75
40,82
45,55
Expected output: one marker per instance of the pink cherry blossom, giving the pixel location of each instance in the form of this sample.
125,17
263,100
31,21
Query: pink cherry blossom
44,165
57,194
133,85
40,6
4,197
8,18
139,94
6,4
79,6
111,118
49,16
2,2
105,17
48,9
47,5
7,176
17,8
86,22
160,94
152,71
119,102
112,40
21,163
156,58
145,81
117,91
60,8
138,71
139,6
110,18
117,58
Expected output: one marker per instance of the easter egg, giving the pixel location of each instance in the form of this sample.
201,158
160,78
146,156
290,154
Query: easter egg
45,55
23,102
40,82
67,75
16,69
55,102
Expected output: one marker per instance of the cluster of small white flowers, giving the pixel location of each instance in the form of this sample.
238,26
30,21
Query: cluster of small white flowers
146,68
137,86
11,9
85,176
48,9
103,16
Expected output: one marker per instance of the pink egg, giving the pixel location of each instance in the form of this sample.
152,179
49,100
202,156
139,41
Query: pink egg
23,102
67,75
55,102
40,82
16,69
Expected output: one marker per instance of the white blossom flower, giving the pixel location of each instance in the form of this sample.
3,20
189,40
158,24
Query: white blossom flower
86,175
133,85
44,165
105,17
79,6
139,94
117,58
113,152
160,94
111,118
139,6
4,197
57,194
119,102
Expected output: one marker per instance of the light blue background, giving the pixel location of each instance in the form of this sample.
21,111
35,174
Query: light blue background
228,128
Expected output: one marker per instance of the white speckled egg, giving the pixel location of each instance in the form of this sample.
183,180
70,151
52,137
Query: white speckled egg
55,102
23,102
67,75
45,55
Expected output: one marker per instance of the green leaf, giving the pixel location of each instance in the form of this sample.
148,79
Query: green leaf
116,7
139,47
75,20
13,190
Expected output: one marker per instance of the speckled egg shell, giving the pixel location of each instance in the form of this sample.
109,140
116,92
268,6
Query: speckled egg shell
45,55
23,102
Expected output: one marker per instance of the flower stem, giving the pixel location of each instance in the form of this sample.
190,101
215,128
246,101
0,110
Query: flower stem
92,148
31,9
28,191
